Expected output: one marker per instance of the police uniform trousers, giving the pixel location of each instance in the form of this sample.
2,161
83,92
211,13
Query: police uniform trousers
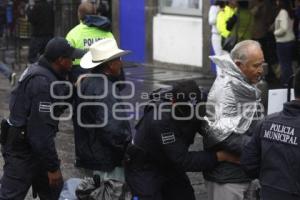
22,170
150,185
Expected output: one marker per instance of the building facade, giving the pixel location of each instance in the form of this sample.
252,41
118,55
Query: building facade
174,33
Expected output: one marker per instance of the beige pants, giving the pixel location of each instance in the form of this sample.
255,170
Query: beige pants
227,191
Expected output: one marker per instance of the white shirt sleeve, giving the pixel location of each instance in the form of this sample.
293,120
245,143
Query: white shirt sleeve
212,15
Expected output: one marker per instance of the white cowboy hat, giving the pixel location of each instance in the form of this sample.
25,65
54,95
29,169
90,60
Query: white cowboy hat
101,51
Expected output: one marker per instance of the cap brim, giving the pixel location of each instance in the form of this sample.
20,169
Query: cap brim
86,61
78,53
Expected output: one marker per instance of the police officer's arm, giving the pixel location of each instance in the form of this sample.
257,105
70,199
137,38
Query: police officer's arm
41,127
177,151
235,143
251,154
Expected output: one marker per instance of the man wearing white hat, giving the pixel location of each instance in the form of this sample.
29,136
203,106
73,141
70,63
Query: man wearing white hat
101,137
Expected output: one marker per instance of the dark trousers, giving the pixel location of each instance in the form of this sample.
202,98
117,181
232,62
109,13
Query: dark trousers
151,185
285,51
22,170
268,46
37,47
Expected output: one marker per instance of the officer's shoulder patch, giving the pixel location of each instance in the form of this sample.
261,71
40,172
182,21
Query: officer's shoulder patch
168,138
45,106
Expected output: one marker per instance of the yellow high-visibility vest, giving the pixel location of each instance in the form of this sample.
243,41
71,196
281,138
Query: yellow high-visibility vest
83,36
222,18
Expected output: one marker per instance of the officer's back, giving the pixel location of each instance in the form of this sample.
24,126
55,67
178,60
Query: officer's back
273,154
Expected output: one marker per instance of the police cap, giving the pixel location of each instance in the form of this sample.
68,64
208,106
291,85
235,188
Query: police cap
59,47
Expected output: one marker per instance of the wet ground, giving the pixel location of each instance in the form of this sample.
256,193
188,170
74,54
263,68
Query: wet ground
145,79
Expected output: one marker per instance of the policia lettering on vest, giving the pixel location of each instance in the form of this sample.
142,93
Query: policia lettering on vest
87,42
92,28
281,133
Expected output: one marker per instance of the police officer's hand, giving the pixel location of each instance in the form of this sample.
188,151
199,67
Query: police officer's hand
55,178
228,157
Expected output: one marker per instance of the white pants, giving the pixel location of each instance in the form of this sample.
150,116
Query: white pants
227,191
216,41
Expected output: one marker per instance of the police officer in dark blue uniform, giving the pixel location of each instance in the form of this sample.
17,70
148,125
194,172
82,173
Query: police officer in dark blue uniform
159,157
273,154
27,137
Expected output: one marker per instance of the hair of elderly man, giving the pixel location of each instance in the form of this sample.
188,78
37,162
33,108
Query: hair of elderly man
86,8
240,50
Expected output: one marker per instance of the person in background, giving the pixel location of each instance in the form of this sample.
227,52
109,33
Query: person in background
41,17
10,17
92,27
8,73
4,69
264,13
243,22
297,18
224,16
297,30
240,26
2,19
285,39
216,38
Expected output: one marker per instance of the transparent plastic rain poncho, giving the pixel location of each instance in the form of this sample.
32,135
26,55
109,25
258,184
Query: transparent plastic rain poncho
232,102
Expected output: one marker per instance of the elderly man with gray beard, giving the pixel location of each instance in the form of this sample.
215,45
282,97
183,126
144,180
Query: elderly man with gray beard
232,109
